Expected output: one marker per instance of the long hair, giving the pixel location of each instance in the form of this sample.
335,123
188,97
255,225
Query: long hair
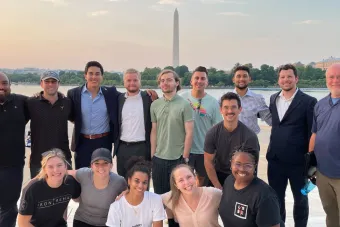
55,152
175,192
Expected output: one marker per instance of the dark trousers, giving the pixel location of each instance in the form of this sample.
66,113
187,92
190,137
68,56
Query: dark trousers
161,170
221,178
278,176
126,150
35,169
10,188
77,223
86,147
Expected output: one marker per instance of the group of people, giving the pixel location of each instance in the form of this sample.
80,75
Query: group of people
202,154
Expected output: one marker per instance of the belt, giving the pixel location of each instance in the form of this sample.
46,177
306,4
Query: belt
131,143
96,136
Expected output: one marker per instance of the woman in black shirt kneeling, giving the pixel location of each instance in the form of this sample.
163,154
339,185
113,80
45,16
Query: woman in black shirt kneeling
46,197
248,201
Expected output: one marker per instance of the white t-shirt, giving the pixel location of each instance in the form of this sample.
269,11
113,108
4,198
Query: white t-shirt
123,214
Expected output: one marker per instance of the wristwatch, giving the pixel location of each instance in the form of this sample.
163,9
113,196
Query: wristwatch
186,160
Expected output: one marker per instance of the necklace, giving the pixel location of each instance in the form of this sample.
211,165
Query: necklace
135,210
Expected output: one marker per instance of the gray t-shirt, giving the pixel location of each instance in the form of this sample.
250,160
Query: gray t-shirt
94,203
221,142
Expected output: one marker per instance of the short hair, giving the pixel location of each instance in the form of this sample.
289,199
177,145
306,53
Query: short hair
201,69
94,64
230,96
241,67
253,153
176,77
132,70
287,67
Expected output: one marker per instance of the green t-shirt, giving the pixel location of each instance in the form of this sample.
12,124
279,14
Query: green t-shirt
170,116
207,114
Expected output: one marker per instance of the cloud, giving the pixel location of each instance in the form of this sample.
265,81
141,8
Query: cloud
169,2
224,1
239,14
117,0
56,2
308,22
98,13
158,8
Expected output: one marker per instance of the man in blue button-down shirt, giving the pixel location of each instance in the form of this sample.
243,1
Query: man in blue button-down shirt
94,115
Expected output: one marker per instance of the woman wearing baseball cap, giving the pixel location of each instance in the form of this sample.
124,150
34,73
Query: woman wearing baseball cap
99,188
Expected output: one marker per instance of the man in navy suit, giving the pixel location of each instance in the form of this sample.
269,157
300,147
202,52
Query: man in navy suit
94,115
292,118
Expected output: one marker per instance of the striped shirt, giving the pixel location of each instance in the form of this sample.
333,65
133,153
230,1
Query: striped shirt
252,105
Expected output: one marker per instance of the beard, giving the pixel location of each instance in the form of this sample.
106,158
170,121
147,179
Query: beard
3,97
242,87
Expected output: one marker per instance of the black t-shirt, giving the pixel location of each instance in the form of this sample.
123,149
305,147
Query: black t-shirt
222,142
252,206
13,119
49,126
47,205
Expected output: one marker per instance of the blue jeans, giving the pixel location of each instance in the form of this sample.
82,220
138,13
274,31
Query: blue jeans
10,187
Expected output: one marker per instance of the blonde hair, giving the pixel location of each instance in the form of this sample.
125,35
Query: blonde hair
55,152
175,192
132,70
176,77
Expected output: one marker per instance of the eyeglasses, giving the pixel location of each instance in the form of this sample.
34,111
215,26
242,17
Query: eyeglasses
246,166
199,105
58,153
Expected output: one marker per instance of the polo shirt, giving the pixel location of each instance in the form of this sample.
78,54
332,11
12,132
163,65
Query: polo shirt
326,125
13,119
170,116
49,126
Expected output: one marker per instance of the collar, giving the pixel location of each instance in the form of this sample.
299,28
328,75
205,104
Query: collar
248,93
134,96
9,98
84,90
291,98
172,99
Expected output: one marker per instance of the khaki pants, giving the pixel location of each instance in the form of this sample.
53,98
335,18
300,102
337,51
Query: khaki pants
329,191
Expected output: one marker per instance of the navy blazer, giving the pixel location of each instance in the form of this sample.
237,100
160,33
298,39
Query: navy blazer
289,137
111,99
147,119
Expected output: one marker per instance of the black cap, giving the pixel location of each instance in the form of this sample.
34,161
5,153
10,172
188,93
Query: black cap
101,154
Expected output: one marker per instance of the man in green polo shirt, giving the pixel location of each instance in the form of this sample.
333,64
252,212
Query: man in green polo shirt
172,131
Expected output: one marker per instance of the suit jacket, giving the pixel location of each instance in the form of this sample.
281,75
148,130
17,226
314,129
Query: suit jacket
147,119
289,137
111,99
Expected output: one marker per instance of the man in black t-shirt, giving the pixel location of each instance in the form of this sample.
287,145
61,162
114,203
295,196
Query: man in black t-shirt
49,113
47,205
254,205
222,139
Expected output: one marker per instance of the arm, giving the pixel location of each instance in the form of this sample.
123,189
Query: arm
264,111
312,143
157,224
153,138
72,173
24,220
71,116
189,128
210,168
310,115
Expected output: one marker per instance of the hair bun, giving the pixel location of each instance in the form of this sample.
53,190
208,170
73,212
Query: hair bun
137,160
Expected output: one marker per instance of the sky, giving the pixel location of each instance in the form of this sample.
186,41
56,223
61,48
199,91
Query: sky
121,34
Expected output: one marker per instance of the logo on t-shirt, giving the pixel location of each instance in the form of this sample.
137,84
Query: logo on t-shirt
52,202
241,210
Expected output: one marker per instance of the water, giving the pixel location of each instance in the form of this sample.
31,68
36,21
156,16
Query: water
309,186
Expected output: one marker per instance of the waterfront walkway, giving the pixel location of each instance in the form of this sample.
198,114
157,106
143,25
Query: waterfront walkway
316,213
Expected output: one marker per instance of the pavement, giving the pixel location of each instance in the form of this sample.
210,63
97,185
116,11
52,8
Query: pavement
317,217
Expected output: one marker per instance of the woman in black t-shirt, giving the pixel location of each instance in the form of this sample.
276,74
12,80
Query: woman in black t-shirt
248,201
46,197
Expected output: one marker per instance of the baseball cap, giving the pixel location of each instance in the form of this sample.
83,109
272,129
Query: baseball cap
101,154
50,75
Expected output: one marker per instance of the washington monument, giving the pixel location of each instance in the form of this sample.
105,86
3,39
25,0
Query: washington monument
175,57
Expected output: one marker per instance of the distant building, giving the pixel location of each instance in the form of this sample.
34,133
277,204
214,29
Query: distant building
175,53
325,63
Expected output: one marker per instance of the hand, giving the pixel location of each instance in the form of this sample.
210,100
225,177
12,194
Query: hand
153,94
219,186
36,95
121,195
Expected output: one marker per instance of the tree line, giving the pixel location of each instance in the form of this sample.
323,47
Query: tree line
263,77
